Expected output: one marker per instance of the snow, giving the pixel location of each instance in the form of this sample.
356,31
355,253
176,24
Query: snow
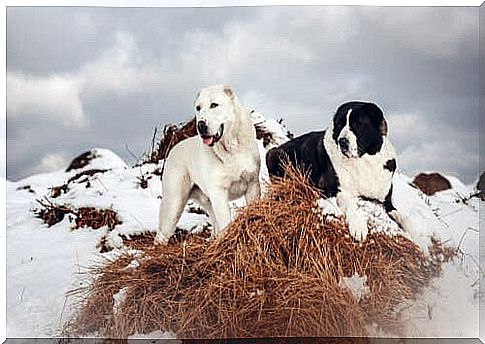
277,130
44,264
119,298
447,308
356,284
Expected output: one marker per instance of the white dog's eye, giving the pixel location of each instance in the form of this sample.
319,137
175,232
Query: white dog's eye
213,105
197,107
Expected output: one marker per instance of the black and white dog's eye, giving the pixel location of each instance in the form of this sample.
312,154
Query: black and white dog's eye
213,105
197,107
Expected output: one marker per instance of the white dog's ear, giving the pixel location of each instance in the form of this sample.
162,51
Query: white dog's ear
228,90
383,127
197,95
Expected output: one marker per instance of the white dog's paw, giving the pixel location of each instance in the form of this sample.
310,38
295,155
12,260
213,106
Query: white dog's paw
357,226
160,239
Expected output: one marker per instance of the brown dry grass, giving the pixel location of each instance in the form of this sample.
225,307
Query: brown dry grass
95,218
275,272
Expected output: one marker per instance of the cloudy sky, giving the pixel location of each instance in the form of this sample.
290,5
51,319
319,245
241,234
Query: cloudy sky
105,77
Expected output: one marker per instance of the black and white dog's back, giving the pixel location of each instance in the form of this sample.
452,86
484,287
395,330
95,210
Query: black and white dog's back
308,153
352,159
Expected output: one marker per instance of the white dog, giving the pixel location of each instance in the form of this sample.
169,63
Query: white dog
219,165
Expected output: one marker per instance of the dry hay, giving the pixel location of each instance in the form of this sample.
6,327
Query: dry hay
95,218
431,183
275,272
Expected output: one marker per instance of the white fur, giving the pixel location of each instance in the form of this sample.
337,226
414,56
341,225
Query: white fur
350,136
224,172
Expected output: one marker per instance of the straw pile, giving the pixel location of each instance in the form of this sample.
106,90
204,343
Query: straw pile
275,272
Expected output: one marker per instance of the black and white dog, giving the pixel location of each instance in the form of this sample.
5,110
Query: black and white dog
350,160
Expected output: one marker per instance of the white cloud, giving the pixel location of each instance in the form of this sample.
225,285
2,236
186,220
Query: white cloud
50,162
122,69
444,156
239,47
298,116
430,145
55,96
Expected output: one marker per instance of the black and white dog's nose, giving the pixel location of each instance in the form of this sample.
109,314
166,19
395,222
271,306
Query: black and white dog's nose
202,127
343,144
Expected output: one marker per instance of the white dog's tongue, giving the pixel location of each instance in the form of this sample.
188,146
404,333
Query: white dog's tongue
208,140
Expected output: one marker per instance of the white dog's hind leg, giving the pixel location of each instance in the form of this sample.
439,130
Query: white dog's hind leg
253,192
176,189
197,195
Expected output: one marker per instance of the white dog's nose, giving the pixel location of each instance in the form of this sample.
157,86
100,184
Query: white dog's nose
202,127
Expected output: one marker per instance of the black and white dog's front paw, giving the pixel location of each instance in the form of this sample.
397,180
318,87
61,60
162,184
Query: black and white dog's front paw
357,222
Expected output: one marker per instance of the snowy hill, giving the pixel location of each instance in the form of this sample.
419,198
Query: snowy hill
43,263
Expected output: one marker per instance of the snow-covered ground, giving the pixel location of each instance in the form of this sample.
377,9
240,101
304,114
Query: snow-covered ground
43,264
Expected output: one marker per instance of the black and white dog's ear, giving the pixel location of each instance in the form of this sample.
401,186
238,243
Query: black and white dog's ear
229,91
383,127
378,113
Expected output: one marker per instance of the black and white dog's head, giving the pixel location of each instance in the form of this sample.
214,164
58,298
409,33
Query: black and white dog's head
359,128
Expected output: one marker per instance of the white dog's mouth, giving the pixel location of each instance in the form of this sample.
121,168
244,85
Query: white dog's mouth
211,140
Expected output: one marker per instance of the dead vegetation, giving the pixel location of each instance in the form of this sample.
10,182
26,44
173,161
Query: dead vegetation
481,187
170,136
81,161
79,178
143,181
52,214
27,188
275,272
431,183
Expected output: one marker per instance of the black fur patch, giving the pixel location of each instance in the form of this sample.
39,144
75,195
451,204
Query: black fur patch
307,153
388,201
390,165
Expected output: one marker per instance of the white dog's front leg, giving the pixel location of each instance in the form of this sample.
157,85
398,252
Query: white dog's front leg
355,218
253,192
176,191
222,211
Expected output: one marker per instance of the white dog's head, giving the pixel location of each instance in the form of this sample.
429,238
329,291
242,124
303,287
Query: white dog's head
215,112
